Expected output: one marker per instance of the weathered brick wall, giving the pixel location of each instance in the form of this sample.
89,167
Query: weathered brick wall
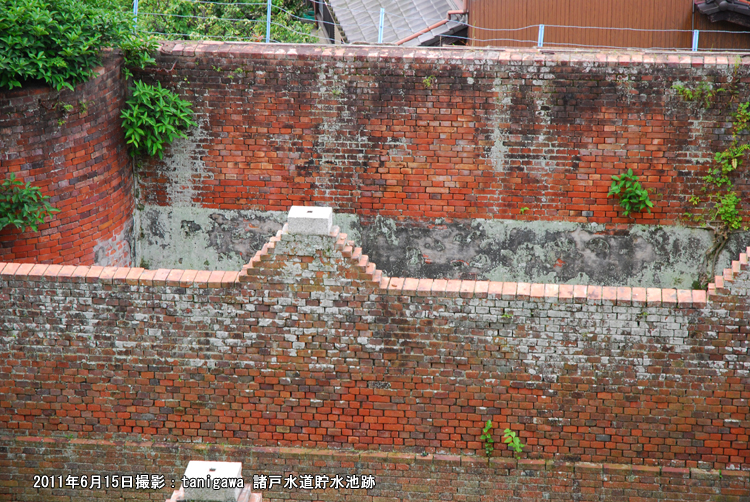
309,346
78,159
397,476
454,133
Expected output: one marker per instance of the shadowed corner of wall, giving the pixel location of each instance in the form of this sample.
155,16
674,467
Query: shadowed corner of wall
214,482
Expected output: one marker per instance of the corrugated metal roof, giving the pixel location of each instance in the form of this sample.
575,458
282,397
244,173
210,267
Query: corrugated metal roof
360,19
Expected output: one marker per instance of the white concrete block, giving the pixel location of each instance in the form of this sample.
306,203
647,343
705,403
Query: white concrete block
212,481
310,220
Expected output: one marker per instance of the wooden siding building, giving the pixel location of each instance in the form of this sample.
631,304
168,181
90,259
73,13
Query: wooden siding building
513,23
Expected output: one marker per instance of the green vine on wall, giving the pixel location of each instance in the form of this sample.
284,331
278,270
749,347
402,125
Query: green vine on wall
514,442
23,206
718,204
486,438
60,42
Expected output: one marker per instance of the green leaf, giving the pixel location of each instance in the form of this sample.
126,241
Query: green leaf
153,118
22,205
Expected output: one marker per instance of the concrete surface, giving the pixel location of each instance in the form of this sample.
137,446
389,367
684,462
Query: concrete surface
500,250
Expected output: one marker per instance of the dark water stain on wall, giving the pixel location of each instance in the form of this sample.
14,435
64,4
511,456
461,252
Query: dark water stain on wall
500,250
556,252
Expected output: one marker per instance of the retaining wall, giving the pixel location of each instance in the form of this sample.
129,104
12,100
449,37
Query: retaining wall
79,159
410,144
454,133
310,346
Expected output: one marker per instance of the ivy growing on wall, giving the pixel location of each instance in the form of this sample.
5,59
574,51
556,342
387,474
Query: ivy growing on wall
59,42
717,204
56,41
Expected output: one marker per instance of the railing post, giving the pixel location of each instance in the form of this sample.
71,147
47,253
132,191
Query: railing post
540,41
380,28
268,21
696,34
135,14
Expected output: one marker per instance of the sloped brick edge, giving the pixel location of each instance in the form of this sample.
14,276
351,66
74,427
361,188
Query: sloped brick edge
563,293
720,286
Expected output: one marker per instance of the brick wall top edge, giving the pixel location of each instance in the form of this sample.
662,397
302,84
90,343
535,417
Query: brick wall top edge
388,285
465,54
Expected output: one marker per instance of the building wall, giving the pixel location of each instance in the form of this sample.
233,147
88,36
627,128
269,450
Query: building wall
79,159
309,346
656,24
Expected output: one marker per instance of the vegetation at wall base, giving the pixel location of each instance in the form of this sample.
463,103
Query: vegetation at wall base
23,206
154,116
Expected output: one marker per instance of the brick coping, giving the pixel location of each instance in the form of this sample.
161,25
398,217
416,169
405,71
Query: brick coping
480,55
409,286
354,456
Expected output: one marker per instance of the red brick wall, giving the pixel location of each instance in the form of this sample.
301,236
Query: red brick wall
77,158
398,476
310,346
445,133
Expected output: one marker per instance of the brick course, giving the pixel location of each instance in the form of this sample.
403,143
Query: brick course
81,164
398,476
369,131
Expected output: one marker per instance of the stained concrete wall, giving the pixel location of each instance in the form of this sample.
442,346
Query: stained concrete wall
498,250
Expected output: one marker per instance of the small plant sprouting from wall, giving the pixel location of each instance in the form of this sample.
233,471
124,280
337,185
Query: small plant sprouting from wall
513,441
486,438
703,93
137,50
633,197
429,81
154,117
65,108
23,206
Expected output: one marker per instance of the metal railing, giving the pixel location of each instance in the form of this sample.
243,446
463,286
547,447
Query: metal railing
385,18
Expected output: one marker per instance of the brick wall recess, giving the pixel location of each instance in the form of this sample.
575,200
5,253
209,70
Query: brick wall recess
79,159
420,135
